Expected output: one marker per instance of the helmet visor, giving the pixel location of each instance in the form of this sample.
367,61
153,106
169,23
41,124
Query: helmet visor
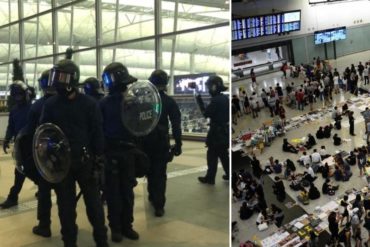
60,77
108,79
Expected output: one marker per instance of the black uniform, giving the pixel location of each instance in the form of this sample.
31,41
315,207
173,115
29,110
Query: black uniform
120,174
157,145
17,120
81,122
44,193
218,135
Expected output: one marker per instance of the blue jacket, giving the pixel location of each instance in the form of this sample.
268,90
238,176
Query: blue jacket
17,120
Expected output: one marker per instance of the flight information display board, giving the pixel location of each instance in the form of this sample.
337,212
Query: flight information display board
258,26
329,35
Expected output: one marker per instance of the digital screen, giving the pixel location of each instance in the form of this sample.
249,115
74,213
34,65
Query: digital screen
258,26
329,35
182,83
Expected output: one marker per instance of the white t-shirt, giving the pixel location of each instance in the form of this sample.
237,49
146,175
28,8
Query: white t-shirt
260,218
311,172
336,80
305,159
323,152
316,157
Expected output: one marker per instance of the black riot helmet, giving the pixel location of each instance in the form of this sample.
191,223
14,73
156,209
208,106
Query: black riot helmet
215,85
65,74
159,77
18,89
92,86
44,83
116,77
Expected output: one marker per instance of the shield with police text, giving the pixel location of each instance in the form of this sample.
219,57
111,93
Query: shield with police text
141,108
51,152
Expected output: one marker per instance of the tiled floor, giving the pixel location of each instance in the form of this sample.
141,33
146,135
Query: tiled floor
196,215
247,229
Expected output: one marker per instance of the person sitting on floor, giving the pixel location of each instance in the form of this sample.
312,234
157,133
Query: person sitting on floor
277,167
327,130
323,153
337,140
287,147
351,159
316,160
325,171
338,174
328,188
303,196
320,133
245,211
313,192
310,142
310,177
305,159
289,168
296,182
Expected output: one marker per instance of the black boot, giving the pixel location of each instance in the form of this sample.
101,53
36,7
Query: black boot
130,234
116,236
159,212
205,180
225,177
8,203
42,230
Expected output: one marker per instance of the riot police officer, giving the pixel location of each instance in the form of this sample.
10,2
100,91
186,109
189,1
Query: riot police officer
157,143
78,116
218,135
44,192
120,177
92,88
22,97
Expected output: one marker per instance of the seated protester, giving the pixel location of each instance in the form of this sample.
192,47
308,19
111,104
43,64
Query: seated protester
277,214
338,174
303,196
310,142
327,130
262,217
336,115
287,147
344,109
320,133
305,159
347,173
308,175
323,153
296,183
279,189
245,212
313,192
289,168
337,140
277,167
325,171
328,188
351,159
268,167
316,160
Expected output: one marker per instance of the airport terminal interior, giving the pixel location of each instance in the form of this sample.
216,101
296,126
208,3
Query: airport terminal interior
300,55
186,39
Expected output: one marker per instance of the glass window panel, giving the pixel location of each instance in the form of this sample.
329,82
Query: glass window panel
84,31
30,7
204,51
4,11
135,20
193,15
63,2
9,43
44,46
138,57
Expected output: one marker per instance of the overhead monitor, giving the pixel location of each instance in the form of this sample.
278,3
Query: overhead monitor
329,35
264,25
182,83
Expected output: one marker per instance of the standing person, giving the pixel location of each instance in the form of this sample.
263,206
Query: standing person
355,220
264,98
333,227
282,115
119,169
311,100
321,92
157,143
336,83
300,99
218,135
254,106
279,189
357,237
242,102
256,167
272,104
21,95
236,103
253,77
284,68
279,91
361,69
361,161
78,116
351,120
367,73
44,188
247,104
367,226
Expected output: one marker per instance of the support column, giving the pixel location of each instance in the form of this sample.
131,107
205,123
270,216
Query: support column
54,16
21,33
98,17
173,48
157,31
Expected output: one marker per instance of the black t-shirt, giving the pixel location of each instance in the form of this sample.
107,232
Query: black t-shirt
279,91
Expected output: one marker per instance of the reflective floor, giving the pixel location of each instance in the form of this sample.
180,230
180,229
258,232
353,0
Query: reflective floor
196,215
247,228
